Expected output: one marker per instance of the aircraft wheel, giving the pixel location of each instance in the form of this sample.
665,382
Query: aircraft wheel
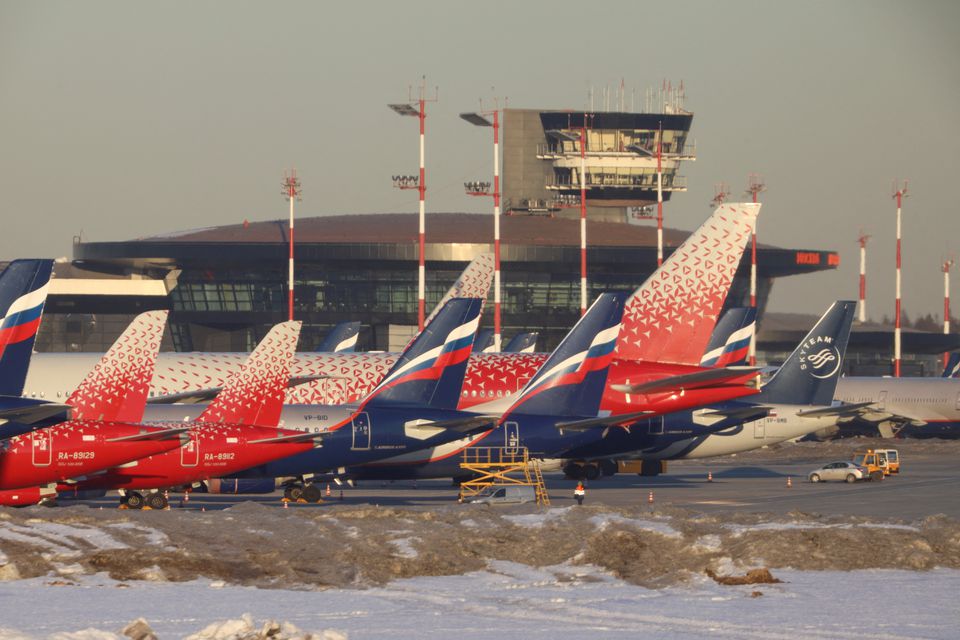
312,493
608,467
134,500
293,492
156,501
573,471
591,471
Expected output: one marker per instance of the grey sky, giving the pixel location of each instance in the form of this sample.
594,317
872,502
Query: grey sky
124,119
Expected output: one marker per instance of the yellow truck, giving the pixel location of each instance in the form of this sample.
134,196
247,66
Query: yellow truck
878,462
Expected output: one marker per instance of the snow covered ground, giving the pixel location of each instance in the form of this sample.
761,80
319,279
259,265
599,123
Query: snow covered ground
509,600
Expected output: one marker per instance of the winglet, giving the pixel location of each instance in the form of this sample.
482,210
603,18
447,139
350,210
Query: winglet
254,395
671,316
117,387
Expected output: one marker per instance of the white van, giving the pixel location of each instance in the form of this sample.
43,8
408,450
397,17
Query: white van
505,494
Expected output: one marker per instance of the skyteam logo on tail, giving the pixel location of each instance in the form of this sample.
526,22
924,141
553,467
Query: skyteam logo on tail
575,368
734,351
820,357
23,318
430,365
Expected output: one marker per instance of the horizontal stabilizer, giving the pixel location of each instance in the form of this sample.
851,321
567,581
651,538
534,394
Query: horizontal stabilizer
162,434
423,429
296,437
209,393
606,421
839,410
28,411
696,380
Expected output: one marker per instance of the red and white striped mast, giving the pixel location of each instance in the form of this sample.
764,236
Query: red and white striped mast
583,216
482,189
862,312
755,186
292,191
947,265
407,109
899,193
660,197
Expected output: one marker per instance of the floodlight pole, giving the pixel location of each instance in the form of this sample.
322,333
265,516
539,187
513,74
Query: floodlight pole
421,113
660,197
863,277
291,190
479,120
899,194
755,186
583,216
947,265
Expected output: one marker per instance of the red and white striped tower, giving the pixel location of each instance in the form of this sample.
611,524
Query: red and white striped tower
947,265
862,307
755,186
899,193
660,196
479,189
583,216
407,109
291,190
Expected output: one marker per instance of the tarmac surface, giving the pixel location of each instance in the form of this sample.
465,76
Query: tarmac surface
753,482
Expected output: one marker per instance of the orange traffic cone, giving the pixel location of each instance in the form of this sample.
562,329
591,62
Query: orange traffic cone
186,496
789,482
286,504
328,489
650,498
203,508
709,476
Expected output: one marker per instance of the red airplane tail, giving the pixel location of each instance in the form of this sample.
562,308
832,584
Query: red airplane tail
671,316
254,395
116,389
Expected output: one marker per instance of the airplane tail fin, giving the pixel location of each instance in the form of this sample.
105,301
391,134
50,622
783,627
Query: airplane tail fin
116,389
670,317
730,343
341,339
23,292
474,282
254,395
430,371
523,343
572,380
484,341
810,374
952,368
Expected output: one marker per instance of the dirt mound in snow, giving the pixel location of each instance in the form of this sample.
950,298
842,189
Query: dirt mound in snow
344,546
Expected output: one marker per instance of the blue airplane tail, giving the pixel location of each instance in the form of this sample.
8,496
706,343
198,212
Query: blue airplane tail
572,380
484,341
430,371
810,374
23,291
341,339
523,343
730,341
952,368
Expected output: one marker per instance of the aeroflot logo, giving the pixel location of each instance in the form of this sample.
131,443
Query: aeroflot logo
820,357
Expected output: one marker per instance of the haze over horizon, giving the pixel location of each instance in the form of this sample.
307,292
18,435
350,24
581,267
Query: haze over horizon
121,120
